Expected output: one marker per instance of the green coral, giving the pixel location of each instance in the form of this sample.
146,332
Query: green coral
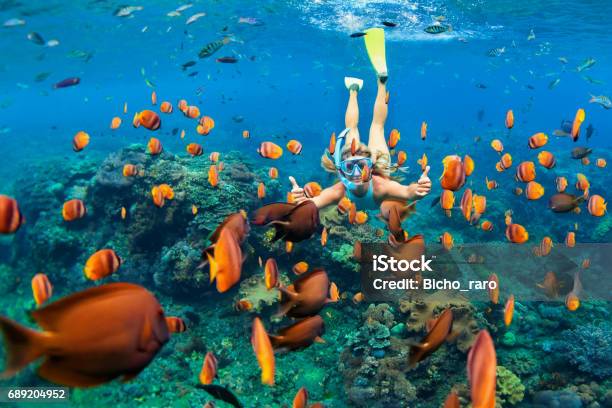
602,230
344,255
510,390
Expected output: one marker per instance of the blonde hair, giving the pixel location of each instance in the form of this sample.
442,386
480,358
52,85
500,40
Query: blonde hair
380,167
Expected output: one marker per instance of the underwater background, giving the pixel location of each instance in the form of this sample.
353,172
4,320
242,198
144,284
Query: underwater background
287,83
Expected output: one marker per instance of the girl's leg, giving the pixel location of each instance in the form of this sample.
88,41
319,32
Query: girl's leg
377,142
351,117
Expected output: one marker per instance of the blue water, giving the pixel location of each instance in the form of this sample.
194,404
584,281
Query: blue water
288,81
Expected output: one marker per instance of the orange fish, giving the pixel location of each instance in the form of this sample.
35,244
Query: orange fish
572,300
154,146
525,172
547,159
243,305
300,268
468,164
214,157
423,162
537,140
175,324
263,351
601,163
452,401
194,209
517,191
508,216
115,123
102,264
447,201
225,260
221,166
578,119
301,398
73,210
192,111
271,274
491,184
80,141
158,196
509,119
361,217
582,183
466,203
213,176
130,170
165,107
509,311
149,119
394,138
123,213
516,233
334,292
167,191
480,204
352,215
246,134
261,191
561,183
481,371
494,291
312,189
534,190
597,206
183,134
331,148
207,122
499,167
401,157
153,98
209,369
453,175
270,150
120,327
41,288
324,237
194,149
423,130
550,285
290,198
359,297
570,239
447,241
273,172
125,106
288,246
136,120
344,205
586,263
585,161
433,340
182,105
497,145
294,146
486,225
545,246
506,161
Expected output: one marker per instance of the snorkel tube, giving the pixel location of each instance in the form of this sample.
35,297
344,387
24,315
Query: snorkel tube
340,141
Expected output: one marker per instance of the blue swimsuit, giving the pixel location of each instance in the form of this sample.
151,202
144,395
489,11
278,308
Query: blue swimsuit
363,203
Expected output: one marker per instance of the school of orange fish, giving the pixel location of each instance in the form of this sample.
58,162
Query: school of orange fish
120,305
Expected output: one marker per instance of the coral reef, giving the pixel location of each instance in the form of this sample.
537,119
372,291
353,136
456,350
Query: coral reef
510,390
254,290
588,347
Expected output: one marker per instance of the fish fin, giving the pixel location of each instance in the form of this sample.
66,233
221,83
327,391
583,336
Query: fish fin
50,317
275,341
23,346
319,339
57,371
145,335
213,267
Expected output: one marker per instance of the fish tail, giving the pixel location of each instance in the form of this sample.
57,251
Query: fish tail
213,267
23,346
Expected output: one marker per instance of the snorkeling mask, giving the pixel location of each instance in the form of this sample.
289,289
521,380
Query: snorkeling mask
349,167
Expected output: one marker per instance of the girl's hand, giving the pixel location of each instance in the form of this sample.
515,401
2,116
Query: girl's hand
423,186
297,192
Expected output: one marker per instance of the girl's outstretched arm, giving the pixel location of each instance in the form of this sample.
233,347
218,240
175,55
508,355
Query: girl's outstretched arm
415,191
330,195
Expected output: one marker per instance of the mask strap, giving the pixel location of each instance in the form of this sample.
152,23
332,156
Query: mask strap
339,145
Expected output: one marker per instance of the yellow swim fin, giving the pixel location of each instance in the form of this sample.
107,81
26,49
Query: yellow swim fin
375,45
